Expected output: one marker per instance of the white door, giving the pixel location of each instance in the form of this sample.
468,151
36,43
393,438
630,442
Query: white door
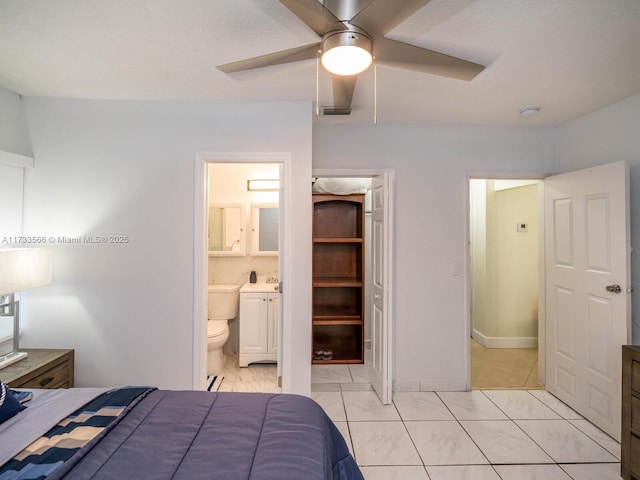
381,331
587,247
281,249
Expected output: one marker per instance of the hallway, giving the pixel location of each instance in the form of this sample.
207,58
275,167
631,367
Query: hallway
503,368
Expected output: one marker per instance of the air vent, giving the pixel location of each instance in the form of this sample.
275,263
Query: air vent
336,111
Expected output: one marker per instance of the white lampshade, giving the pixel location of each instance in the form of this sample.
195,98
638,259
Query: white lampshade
23,269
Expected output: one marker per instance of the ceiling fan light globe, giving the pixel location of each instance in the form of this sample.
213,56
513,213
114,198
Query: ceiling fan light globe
346,52
346,60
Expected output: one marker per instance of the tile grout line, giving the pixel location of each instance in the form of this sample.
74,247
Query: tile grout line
562,417
467,433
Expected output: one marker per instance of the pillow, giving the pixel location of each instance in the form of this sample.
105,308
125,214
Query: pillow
9,405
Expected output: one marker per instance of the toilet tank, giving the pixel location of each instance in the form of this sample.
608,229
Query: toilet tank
223,300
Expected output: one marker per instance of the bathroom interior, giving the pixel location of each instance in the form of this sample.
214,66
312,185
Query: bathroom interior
243,298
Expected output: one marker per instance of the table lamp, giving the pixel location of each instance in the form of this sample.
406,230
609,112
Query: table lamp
20,269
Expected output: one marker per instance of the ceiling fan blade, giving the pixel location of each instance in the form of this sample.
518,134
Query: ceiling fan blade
343,87
382,16
318,18
404,55
305,52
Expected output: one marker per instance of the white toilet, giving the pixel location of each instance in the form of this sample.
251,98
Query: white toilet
223,301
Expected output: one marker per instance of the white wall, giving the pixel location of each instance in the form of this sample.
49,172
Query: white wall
504,263
431,164
127,168
604,136
480,307
515,263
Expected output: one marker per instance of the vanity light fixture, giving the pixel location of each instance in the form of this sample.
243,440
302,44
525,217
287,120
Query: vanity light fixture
20,269
269,185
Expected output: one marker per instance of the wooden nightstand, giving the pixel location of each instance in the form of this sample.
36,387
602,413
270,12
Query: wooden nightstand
630,461
43,368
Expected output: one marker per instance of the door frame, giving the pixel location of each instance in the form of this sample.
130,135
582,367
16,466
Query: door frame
390,248
541,267
201,266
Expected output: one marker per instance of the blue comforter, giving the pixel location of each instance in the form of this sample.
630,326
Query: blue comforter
202,435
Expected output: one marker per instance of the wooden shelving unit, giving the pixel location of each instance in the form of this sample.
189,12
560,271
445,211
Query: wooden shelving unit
338,277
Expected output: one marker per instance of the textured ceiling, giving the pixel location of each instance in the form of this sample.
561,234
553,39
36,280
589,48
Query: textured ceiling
567,56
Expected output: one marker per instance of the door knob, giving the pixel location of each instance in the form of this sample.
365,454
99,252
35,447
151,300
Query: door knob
615,288
375,297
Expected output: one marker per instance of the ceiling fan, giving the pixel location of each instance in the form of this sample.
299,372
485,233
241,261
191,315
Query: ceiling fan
353,35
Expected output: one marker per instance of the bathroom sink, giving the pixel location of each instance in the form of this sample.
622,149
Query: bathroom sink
259,287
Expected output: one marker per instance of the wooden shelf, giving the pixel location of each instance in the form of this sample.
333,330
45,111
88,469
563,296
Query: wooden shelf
337,240
336,282
345,341
338,278
338,216
336,361
336,320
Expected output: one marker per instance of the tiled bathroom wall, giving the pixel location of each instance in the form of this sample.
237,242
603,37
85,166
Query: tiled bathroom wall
237,269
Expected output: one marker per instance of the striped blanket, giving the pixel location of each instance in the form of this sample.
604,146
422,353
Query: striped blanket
81,429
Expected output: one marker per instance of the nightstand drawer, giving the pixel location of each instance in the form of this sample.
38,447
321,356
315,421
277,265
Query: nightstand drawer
635,376
635,413
54,378
635,460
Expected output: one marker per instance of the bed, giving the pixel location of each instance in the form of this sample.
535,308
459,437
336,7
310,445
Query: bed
146,433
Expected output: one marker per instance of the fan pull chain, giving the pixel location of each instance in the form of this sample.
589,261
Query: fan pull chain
375,94
318,83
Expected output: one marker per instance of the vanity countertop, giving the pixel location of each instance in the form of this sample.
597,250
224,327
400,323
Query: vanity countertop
259,287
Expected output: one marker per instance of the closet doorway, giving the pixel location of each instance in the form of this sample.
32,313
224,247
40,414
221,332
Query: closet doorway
504,281
376,370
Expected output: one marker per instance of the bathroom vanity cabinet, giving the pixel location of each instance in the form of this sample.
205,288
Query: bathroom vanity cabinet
258,324
338,278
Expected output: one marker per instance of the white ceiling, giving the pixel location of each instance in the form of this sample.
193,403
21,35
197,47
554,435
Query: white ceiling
567,56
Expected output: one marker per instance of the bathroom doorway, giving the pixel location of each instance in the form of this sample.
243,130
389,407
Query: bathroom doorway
503,283
244,249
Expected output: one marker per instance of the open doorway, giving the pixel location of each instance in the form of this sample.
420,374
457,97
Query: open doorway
353,281
586,233
243,256
504,281
341,283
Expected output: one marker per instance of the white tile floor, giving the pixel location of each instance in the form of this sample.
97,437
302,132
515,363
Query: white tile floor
257,377
477,435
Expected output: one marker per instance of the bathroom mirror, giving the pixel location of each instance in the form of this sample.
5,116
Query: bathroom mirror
265,228
226,229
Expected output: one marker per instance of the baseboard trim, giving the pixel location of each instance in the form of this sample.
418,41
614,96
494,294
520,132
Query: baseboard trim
430,385
504,342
